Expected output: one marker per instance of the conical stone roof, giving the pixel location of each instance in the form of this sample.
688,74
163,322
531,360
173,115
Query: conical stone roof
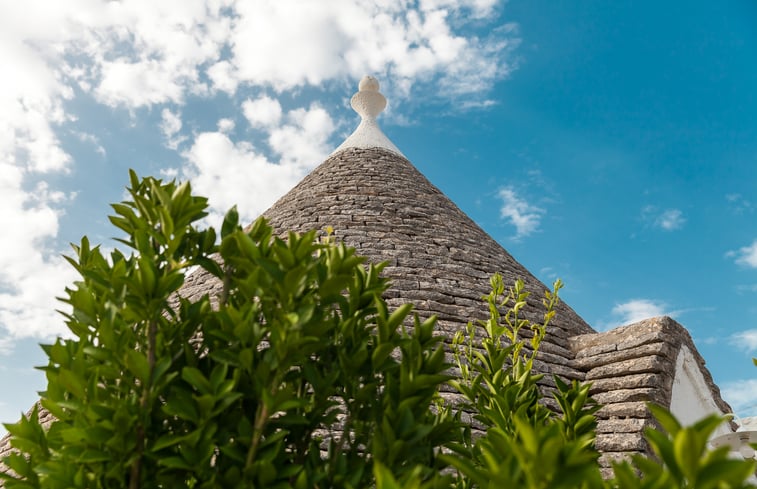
438,258
441,261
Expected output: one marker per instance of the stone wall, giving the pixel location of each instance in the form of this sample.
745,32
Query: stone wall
629,367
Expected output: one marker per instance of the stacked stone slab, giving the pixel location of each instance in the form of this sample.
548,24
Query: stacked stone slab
629,367
438,258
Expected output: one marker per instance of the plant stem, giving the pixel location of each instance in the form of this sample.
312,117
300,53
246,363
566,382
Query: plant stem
261,419
136,467
224,296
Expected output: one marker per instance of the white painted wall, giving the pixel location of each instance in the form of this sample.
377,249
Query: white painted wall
691,398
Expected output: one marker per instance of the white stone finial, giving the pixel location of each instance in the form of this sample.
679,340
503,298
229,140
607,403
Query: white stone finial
369,103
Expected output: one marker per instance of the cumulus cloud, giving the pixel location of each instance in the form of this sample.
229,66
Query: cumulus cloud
409,45
303,140
237,173
226,125
31,274
170,126
518,212
145,53
745,256
137,53
234,173
140,55
137,84
223,77
53,48
262,112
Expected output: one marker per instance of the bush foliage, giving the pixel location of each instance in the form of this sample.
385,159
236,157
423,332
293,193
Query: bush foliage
298,375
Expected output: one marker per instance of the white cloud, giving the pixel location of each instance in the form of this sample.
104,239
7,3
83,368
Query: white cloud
670,220
408,45
638,309
53,47
31,274
478,8
746,256
524,216
170,126
635,310
745,340
230,173
223,76
35,38
139,54
742,396
303,140
226,125
170,123
667,220
262,112
137,84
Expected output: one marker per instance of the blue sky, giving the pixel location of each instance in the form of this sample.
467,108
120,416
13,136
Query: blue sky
611,144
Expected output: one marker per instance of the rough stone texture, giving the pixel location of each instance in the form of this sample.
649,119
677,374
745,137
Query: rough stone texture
441,261
438,258
629,367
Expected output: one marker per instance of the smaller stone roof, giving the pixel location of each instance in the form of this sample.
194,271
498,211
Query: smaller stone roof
628,367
